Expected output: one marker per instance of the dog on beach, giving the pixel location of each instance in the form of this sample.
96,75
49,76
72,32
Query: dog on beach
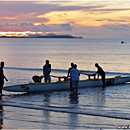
37,79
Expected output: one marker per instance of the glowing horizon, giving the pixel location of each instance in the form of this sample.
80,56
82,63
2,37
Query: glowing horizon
18,34
102,19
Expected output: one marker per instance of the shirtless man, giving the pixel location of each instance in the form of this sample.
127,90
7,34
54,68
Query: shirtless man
2,77
100,72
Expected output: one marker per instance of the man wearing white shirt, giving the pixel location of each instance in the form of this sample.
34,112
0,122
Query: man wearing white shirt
74,75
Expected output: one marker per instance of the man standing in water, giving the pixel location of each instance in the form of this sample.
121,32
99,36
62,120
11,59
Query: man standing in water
2,77
101,73
74,75
47,71
72,64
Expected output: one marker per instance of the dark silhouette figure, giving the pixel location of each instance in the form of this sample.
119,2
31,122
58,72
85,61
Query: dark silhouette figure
37,79
47,71
100,72
74,74
2,77
72,65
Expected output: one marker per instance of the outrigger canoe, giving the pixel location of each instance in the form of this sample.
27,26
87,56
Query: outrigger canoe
64,85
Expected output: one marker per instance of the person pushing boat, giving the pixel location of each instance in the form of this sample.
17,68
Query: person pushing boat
100,72
2,77
47,71
74,75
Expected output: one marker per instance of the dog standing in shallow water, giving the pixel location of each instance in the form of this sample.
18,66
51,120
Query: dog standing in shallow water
37,79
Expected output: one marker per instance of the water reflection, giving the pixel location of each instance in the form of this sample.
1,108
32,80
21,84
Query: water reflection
100,97
1,114
46,114
94,95
73,117
74,98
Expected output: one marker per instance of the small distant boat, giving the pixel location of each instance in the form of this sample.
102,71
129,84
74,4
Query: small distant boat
64,85
122,42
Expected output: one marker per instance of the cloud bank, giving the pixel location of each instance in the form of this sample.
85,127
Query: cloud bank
106,19
33,28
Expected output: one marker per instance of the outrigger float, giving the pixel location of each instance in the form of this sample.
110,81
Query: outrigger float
65,85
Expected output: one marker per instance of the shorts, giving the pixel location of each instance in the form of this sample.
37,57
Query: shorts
75,84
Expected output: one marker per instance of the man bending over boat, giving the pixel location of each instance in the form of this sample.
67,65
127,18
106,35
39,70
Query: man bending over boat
74,75
47,71
37,79
2,77
100,72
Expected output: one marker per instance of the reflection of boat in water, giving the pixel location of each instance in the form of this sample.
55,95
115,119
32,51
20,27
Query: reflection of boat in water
64,85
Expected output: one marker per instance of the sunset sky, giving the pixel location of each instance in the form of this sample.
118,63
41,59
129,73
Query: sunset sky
88,18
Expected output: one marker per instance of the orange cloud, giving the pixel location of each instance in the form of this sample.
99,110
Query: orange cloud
18,34
90,14
65,17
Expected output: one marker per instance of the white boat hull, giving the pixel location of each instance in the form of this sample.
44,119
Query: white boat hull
54,86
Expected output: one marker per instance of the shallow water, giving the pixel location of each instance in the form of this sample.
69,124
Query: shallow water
93,108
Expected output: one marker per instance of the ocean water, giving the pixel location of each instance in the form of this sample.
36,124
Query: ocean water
93,108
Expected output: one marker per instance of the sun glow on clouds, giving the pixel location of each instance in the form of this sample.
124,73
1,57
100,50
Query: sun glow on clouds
18,34
73,17
78,18
87,18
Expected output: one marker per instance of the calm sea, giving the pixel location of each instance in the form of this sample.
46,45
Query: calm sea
93,108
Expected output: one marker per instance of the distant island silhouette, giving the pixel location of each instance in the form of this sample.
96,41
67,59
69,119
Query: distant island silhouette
51,35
